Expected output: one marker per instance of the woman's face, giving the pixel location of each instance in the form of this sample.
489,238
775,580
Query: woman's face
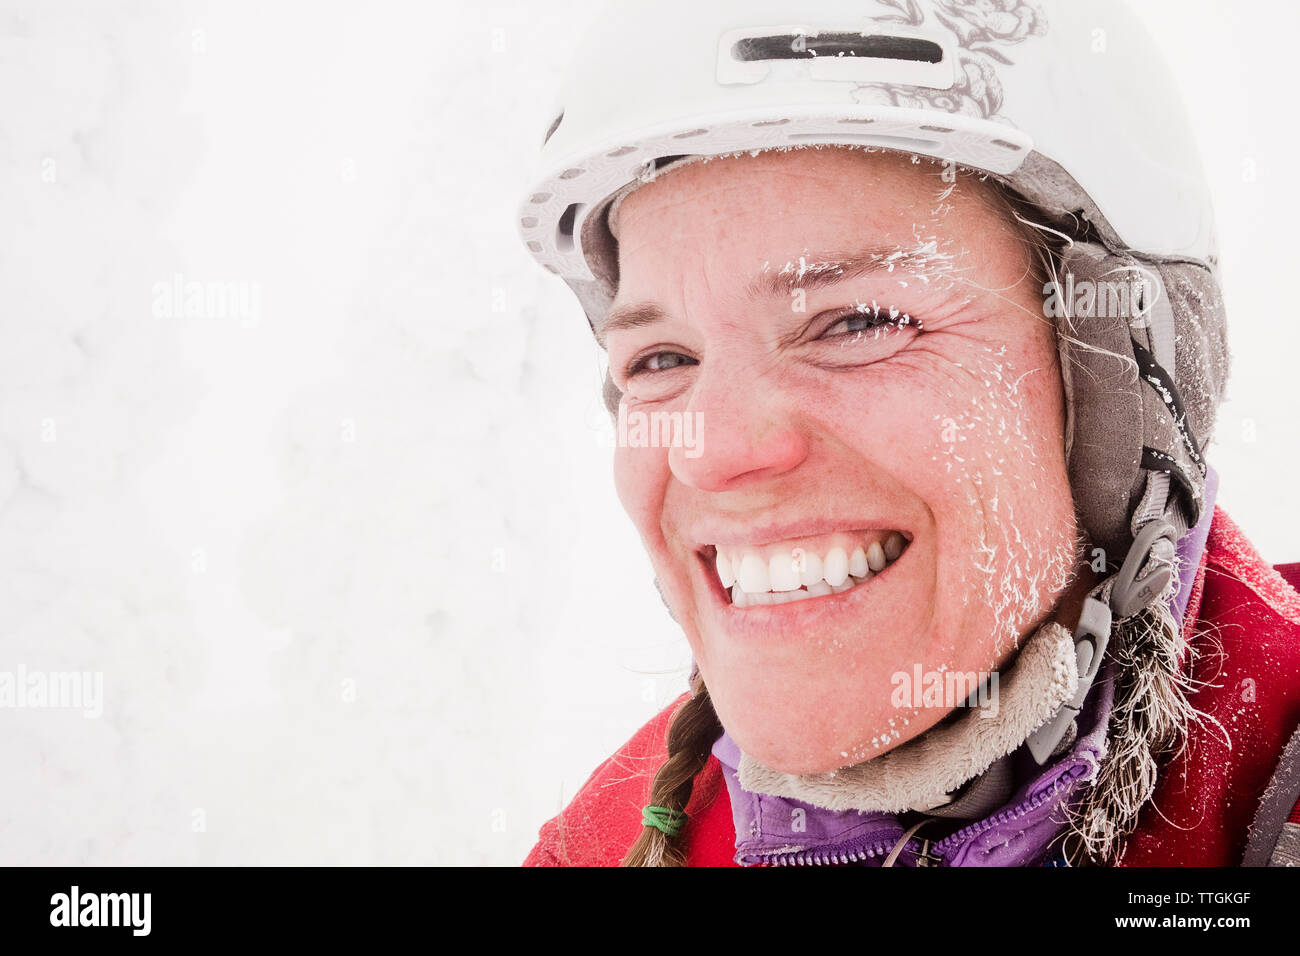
856,343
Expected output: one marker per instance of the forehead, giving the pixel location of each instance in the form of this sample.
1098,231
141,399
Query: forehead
834,165
731,217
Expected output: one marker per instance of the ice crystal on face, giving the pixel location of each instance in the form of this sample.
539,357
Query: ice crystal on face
926,261
1018,568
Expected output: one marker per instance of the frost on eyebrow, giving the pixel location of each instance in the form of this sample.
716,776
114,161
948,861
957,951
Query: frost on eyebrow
934,263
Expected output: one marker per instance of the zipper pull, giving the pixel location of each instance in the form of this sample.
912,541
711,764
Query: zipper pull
925,858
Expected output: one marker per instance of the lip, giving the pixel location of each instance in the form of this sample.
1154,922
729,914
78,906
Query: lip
761,535
767,622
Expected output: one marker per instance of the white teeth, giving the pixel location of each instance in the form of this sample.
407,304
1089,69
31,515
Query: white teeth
876,557
812,570
836,567
858,563
725,574
797,574
894,545
782,573
752,574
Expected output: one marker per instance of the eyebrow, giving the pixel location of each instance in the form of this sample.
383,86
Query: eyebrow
629,317
809,273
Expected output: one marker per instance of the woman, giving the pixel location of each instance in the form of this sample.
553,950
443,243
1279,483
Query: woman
919,445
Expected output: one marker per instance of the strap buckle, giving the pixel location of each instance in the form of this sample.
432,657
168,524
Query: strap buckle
1090,638
1130,590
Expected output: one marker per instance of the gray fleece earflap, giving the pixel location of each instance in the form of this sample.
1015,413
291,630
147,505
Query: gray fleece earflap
1144,361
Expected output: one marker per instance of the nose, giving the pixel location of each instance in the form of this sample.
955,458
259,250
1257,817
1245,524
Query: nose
747,432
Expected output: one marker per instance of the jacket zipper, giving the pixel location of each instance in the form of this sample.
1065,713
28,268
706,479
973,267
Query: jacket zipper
934,854
1015,813
831,857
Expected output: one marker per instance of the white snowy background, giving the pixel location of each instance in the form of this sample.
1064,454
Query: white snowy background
352,565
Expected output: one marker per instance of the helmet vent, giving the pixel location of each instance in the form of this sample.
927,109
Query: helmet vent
555,124
792,46
564,228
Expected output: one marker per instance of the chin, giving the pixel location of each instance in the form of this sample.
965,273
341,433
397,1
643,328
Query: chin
801,734
794,758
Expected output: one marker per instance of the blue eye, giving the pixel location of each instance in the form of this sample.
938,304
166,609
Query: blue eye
659,362
864,318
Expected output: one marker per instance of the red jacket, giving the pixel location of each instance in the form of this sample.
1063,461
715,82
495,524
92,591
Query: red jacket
1206,797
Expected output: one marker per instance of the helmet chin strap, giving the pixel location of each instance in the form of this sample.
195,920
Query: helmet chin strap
1143,578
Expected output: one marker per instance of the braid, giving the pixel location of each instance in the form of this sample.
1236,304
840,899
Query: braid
691,734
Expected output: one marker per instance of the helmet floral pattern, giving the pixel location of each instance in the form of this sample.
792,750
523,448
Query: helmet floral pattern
979,26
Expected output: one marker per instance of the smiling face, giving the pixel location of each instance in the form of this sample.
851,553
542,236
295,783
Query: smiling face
876,478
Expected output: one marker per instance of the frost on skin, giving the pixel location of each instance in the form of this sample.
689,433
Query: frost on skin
1014,566
1018,560
1015,559
941,415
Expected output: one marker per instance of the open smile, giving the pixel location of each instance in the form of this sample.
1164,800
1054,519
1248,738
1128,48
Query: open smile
826,566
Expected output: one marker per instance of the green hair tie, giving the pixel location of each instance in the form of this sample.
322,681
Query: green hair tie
662,818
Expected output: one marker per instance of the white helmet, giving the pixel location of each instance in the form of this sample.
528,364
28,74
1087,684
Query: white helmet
998,85
1067,103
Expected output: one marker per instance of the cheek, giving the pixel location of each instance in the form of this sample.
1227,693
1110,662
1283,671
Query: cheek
640,479
977,436
1013,515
